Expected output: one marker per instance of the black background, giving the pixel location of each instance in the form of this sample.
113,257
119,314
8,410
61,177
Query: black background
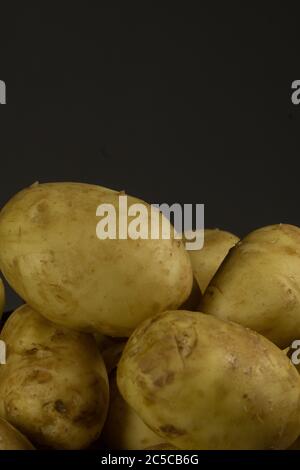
184,102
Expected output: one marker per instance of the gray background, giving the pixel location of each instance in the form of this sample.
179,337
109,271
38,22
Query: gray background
173,103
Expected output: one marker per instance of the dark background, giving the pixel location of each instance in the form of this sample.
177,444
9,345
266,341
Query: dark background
173,102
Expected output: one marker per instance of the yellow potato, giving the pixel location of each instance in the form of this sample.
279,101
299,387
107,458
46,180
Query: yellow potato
54,386
11,439
52,258
2,297
203,383
124,429
205,262
257,286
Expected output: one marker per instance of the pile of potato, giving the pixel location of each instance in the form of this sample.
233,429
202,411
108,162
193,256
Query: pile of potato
205,365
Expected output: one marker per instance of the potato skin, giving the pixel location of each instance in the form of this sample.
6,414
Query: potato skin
54,386
257,285
204,383
12,439
2,297
124,429
205,262
52,258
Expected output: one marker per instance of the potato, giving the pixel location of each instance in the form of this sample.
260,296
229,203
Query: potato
54,387
11,439
52,258
2,297
257,286
204,383
124,429
205,262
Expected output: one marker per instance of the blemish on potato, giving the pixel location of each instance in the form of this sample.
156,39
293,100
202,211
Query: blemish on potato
60,406
40,376
31,351
171,430
164,379
186,342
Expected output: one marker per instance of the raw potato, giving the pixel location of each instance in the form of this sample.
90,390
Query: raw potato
11,439
2,297
52,258
258,284
205,262
203,383
54,387
124,429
